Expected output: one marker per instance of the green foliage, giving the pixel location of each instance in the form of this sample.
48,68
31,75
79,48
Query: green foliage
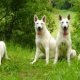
66,4
17,22
61,4
76,34
16,17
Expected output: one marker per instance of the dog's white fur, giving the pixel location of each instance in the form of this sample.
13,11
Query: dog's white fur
45,43
3,51
64,38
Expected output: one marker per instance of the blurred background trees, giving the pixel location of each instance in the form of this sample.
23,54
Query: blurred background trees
16,17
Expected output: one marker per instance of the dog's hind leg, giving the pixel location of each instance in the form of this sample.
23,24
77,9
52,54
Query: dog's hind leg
36,55
73,53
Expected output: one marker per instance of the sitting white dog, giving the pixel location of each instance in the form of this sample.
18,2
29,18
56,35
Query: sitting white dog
45,43
63,41
3,51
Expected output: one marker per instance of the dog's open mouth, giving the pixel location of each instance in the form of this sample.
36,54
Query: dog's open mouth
39,31
65,31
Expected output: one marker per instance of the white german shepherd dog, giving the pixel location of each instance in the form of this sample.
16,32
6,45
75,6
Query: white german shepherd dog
63,41
45,43
3,51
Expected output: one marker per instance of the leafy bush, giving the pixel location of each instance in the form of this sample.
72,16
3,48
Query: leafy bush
76,33
18,25
74,5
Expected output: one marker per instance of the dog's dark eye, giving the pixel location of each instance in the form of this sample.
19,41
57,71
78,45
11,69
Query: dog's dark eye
37,23
66,22
41,23
62,22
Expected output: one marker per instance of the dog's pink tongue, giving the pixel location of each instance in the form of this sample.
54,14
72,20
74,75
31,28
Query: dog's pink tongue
65,33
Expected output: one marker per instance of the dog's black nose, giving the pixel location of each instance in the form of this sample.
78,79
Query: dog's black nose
39,28
65,28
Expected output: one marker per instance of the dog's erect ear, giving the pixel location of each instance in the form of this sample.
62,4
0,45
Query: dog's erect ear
60,17
68,16
35,18
44,18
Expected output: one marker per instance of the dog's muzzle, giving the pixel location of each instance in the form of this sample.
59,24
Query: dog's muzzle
65,28
39,28
65,31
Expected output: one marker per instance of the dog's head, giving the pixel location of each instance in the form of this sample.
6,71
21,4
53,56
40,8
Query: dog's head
39,24
64,23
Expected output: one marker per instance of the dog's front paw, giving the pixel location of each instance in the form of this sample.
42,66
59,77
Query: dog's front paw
54,62
47,63
32,62
8,58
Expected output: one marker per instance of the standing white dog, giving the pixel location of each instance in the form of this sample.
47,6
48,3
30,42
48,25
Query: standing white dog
45,43
63,41
3,51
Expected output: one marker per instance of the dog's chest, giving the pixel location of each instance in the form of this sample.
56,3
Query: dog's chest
42,48
63,47
42,44
42,41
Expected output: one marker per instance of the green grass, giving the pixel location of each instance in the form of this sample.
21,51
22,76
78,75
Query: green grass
19,67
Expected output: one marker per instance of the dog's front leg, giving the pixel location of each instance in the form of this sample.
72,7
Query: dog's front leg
36,55
56,55
68,55
47,54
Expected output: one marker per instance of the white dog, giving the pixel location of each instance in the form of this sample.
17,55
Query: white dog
63,41
3,51
45,43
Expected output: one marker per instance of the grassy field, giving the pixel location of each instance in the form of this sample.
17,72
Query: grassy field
19,67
